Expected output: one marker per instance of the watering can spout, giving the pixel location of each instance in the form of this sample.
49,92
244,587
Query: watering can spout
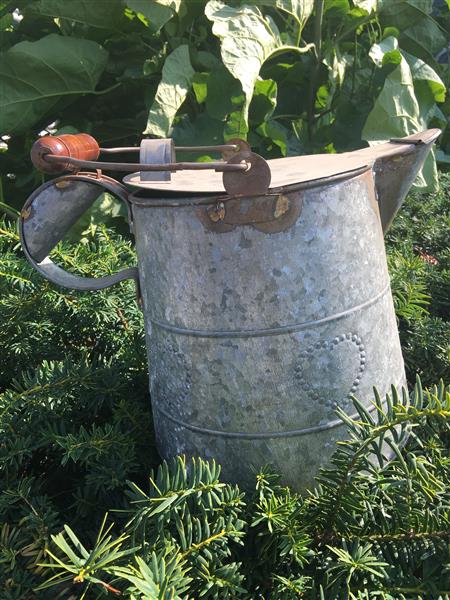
396,165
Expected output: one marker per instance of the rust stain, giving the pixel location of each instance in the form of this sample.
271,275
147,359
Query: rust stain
62,184
217,212
266,213
281,207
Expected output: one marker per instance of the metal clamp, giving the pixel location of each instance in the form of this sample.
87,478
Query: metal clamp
154,152
269,213
49,213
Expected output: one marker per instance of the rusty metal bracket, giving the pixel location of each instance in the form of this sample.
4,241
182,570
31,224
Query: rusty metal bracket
270,213
253,179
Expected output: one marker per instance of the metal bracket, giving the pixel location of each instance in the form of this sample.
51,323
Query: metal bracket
254,179
157,151
270,213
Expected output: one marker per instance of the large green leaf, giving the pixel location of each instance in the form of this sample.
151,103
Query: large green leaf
424,39
177,78
429,90
420,34
155,12
422,72
276,133
403,108
203,130
103,15
248,39
224,93
301,10
264,100
36,75
396,111
367,5
386,52
405,12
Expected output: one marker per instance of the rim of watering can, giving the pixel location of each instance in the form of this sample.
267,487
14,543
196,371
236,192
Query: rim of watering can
160,199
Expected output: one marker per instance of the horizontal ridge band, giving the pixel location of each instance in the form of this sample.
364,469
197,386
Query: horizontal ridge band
265,434
282,330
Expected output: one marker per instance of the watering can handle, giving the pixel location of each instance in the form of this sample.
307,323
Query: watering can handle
49,213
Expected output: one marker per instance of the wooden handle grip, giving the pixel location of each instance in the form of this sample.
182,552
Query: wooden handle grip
81,146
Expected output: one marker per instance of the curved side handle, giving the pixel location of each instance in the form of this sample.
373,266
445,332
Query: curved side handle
51,211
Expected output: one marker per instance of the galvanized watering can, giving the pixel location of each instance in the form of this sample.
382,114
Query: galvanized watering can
264,288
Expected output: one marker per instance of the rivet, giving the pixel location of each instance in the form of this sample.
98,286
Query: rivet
217,212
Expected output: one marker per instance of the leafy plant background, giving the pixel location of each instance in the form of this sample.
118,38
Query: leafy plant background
75,421
293,76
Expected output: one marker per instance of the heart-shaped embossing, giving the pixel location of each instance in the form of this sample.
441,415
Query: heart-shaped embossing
330,371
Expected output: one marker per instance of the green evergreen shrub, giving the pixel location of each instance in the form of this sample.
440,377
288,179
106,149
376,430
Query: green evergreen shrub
418,248
76,442
75,422
371,529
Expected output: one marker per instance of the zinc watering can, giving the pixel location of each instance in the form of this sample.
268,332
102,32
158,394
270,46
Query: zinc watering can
263,284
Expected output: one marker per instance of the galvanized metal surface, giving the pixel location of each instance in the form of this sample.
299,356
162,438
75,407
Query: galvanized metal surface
395,166
254,339
157,151
52,210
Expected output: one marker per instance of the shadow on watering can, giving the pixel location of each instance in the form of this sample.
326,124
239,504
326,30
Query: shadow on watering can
264,288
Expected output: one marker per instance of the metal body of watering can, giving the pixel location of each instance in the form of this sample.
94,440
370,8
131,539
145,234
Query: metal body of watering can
266,306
